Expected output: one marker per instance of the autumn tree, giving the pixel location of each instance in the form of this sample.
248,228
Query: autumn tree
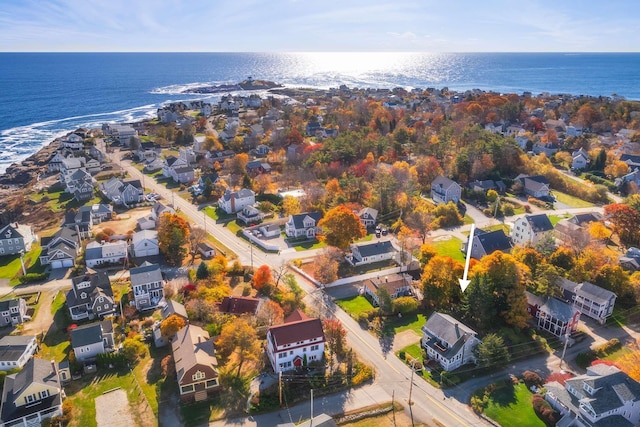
326,265
239,339
290,206
420,220
197,235
171,325
426,253
624,221
238,163
262,277
440,281
340,227
384,300
270,313
446,215
405,305
173,235
134,349
335,336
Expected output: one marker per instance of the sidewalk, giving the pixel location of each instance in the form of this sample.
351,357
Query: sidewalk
334,404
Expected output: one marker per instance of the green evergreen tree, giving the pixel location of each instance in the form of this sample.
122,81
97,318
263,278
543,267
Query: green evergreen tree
203,271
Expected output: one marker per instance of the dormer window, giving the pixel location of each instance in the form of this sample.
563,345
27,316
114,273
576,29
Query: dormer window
199,375
586,387
83,295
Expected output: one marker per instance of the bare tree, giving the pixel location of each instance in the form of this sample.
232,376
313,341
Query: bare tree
196,237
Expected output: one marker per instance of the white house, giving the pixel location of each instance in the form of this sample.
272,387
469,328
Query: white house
590,299
368,217
145,243
16,350
445,190
580,159
448,341
303,225
13,312
233,201
250,215
530,229
372,252
98,254
90,340
603,396
31,395
298,341
148,286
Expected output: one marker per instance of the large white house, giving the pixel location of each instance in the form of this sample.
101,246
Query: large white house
16,350
303,225
372,252
448,341
148,286
531,229
603,396
298,341
15,238
233,201
105,253
145,243
90,340
590,299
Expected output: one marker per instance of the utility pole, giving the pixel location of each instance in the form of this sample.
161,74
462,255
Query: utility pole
280,387
311,422
564,350
24,270
410,390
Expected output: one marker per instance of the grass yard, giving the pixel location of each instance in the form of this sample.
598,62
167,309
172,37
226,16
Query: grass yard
82,393
197,414
394,325
10,266
557,218
233,227
622,317
355,305
571,201
307,244
449,247
511,406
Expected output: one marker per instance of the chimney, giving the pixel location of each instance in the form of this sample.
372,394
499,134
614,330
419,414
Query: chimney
199,339
386,279
54,370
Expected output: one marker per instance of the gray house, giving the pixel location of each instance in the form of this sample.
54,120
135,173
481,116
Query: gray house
148,286
534,186
487,242
448,341
445,190
125,193
16,350
90,340
61,249
15,238
590,299
13,312
372,252
91,295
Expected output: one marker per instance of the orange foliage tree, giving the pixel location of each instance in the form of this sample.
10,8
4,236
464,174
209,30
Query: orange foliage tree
173,234
341,227
262,277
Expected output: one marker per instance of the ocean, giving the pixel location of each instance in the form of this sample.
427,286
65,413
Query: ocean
45,95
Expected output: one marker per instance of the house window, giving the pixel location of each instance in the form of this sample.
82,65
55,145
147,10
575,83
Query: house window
282,355
199,375
315,347
106,306
212,383
186,389
31,398
44,394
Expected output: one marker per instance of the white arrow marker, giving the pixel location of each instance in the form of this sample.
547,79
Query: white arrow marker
464,282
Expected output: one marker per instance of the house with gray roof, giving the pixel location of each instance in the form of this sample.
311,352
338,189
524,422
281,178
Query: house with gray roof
31,395
80,184
61,249
15,238
123,193
531,229
632,160
372,252
145,243
398,285
148,286
196,364
448,341
553,315
368,217
159,209
303,225
90,340
534,186
590,299
81,221
445,190
13,312
100,254
487,242
90,296
233,201
603,397
16,350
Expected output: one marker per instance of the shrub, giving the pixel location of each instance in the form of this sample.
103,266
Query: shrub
246,290
531,379
363,373
402,355
544,411
32,277
405,305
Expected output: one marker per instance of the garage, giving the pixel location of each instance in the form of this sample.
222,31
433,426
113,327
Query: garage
61,263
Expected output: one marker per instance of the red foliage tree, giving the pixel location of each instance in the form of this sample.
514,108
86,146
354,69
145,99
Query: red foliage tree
262,277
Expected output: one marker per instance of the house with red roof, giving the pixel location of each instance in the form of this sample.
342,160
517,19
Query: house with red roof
239,305
299,340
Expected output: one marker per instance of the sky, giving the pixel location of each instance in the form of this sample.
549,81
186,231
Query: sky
319,26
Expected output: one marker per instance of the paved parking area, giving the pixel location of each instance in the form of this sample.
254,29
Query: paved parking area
113,410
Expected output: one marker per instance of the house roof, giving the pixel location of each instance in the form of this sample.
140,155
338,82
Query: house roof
34,371
446,328
91,333
95,249
296,331
140,236
191,347
298,220
588,217
183,169
160,208
82,217
539,223
295,316
7,304
444,182
205,247
99,284
375,248
9,232
559,310
63,233
593,292
146,273
13,347
239,305
174,307
368,213
391,282
534,300
493,241
533,183
240,194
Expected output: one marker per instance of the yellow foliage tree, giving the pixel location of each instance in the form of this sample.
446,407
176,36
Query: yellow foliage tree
171,325
341,226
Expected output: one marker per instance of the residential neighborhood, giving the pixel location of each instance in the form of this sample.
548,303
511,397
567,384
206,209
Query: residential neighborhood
224,259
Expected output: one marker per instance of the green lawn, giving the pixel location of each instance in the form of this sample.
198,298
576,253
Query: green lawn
468,220
233,226
557,218
413,321
355,305
571,201
308,244
511,406
10,265
450,247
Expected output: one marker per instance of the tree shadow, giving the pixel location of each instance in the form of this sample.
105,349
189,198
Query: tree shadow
505,395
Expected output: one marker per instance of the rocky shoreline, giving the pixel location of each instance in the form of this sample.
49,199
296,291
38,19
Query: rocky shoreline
244,85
